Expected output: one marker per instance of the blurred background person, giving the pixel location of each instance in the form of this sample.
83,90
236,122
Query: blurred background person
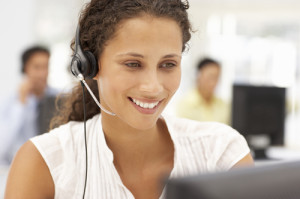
27,111
201,103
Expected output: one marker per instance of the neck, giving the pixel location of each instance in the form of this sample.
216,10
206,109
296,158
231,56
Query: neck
122,138
135,148
208,98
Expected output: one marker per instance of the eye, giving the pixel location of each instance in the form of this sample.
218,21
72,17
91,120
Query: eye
133,65
168,65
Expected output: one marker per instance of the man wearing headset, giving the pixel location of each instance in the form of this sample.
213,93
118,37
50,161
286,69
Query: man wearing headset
20,113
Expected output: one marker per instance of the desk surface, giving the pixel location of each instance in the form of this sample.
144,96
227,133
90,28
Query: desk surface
284,153
279,155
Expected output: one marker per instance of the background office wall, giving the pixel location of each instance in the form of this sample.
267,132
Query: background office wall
255,40
23,23
17,31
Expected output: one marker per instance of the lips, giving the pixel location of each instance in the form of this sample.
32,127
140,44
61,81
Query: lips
145,105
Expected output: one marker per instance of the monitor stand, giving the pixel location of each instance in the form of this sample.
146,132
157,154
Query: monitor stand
259,145
261,154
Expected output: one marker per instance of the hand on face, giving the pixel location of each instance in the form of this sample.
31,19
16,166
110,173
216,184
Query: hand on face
25,90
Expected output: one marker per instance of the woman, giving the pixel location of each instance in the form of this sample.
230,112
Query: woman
138,45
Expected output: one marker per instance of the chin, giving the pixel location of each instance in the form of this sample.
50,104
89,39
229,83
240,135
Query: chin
143,124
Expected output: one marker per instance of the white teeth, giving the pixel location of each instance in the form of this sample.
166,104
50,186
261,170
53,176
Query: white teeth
145,105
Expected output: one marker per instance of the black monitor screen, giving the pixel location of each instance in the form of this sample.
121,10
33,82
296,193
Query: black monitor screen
278,181
259,110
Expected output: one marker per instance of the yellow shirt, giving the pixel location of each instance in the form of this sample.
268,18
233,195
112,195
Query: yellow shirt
194,107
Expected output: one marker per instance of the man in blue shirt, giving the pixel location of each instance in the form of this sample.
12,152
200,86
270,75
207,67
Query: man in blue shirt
20,112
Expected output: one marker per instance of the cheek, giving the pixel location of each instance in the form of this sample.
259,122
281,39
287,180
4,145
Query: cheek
29,71
106,87
112,86
172,82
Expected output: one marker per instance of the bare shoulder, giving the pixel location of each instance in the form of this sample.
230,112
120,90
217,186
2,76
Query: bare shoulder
247,161
29,175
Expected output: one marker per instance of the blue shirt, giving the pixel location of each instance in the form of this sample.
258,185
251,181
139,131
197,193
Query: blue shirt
18,123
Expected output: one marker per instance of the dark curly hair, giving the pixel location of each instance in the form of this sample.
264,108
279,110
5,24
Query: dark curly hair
98,23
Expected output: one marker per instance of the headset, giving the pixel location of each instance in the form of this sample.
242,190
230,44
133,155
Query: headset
83,62
84,65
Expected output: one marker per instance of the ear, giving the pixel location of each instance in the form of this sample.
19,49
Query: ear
97,75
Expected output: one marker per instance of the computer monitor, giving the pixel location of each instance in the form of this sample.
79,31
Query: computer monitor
258,113
277,181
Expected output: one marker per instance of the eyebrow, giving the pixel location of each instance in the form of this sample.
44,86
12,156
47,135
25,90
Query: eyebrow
131,54
172,55
141,56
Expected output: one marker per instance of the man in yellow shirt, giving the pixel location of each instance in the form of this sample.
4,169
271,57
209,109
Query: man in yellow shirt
201,103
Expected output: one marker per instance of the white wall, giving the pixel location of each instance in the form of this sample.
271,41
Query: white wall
27,22
17,31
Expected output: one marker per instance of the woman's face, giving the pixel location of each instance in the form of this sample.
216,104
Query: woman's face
139,70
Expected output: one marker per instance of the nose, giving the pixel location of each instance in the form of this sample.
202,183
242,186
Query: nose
150,82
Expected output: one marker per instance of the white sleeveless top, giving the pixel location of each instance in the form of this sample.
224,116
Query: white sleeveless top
199,147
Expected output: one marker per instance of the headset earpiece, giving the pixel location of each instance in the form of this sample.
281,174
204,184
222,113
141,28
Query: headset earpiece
93,62
83,62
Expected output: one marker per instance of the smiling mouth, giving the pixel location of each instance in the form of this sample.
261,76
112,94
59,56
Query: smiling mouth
144,105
